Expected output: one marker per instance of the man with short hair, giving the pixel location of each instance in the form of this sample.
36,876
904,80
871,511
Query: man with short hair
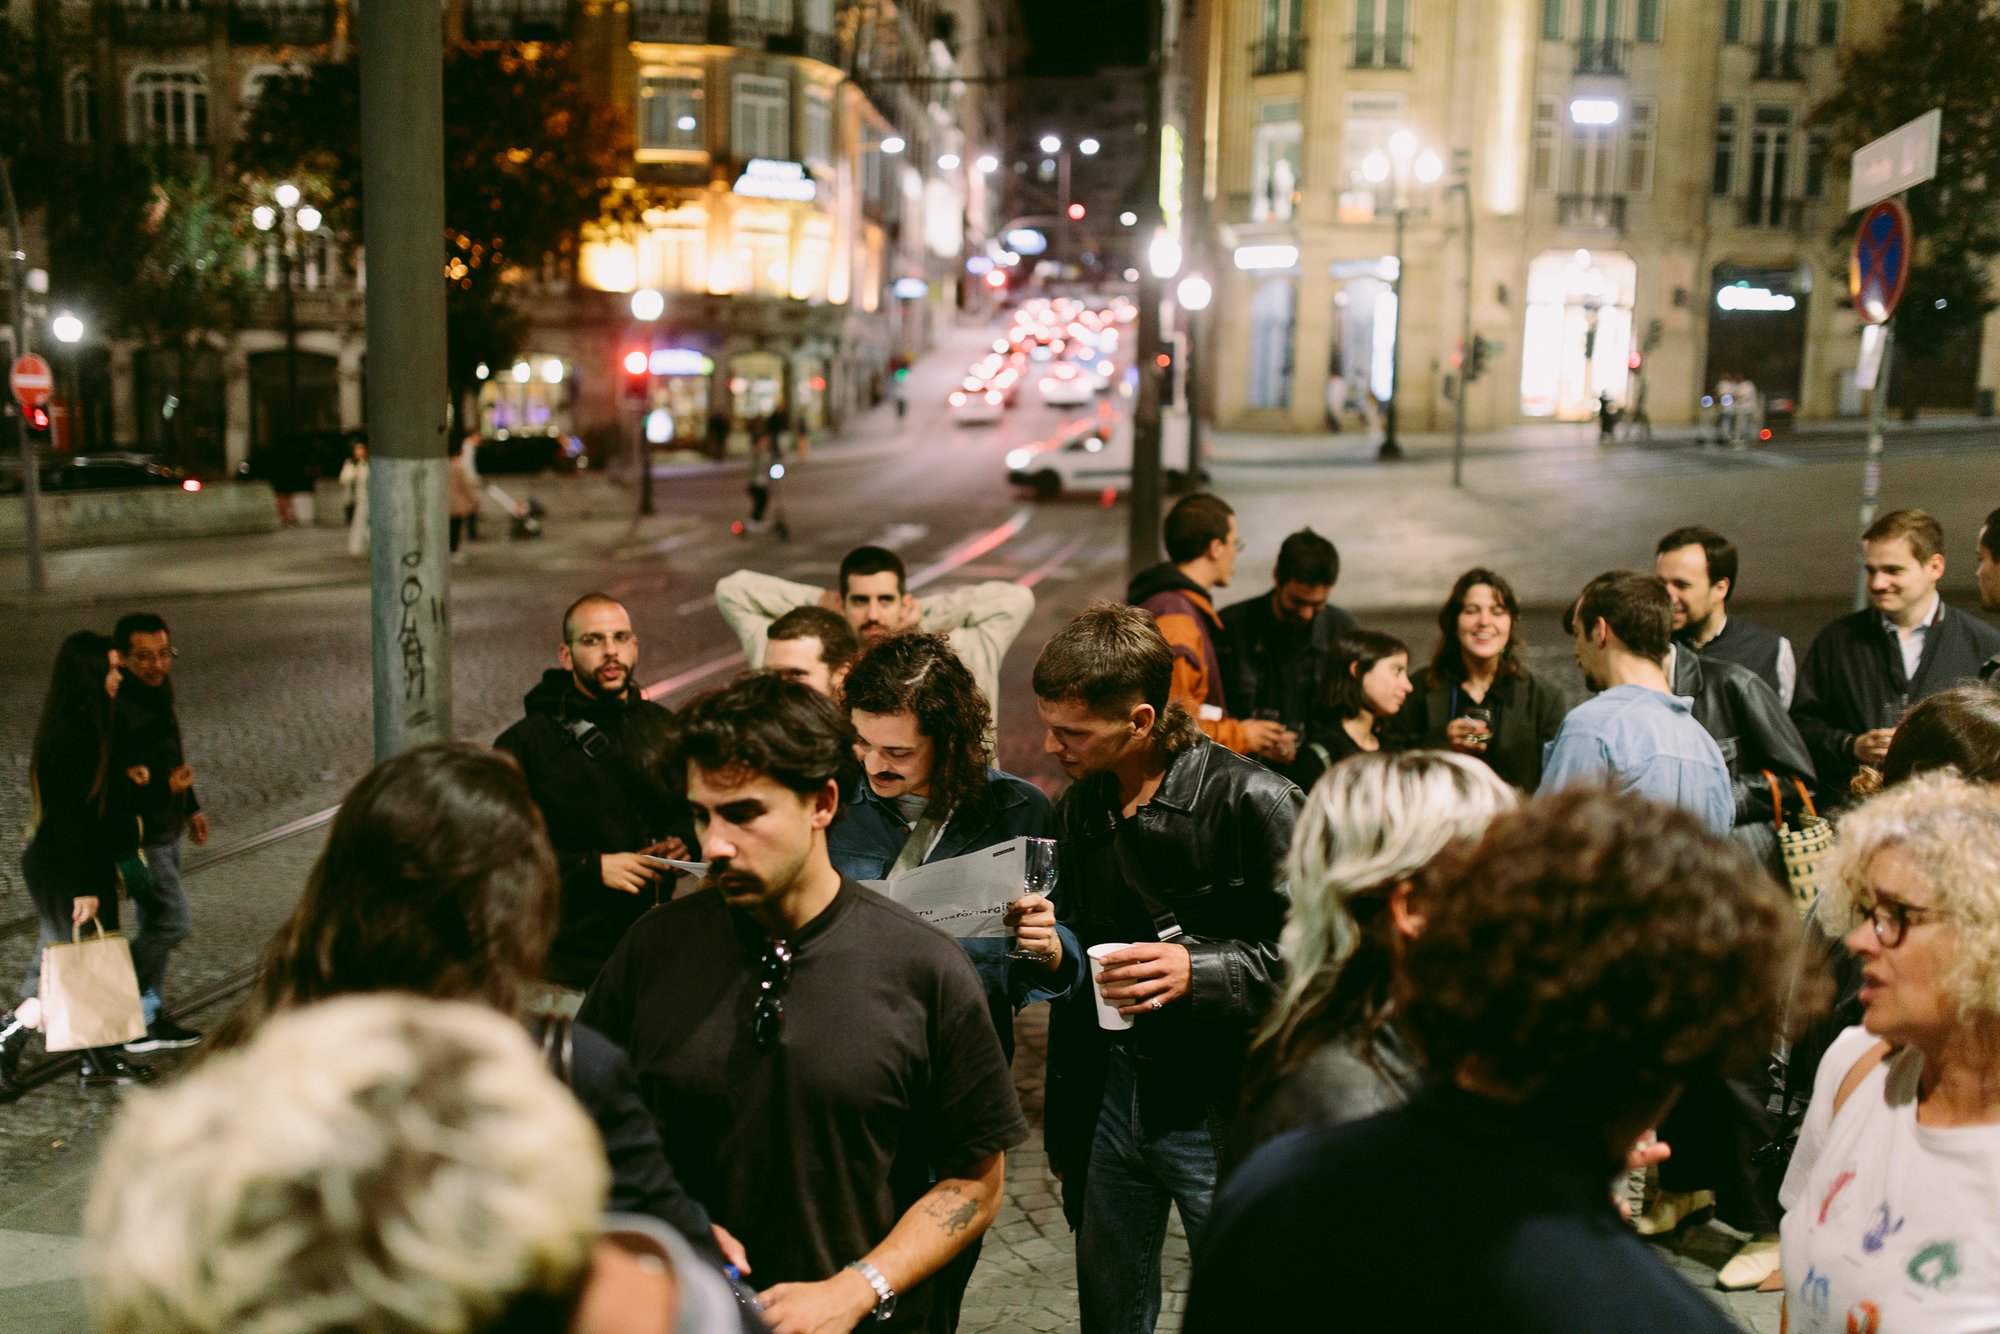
1636,735
981,620
820,1062
1172,850
1866,669
1699,567
146,747
1202,546
813,647
1274,647
594,749
1989,582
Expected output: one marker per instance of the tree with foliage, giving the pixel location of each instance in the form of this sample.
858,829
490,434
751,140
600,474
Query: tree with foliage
528,155
1945,53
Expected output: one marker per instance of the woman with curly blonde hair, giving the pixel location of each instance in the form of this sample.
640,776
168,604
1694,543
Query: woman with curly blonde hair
1331,1050
1892,1218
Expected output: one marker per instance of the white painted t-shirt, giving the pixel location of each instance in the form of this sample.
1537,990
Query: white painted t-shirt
1890,1227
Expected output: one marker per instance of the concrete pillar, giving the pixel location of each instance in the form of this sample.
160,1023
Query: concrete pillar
235,404
124,416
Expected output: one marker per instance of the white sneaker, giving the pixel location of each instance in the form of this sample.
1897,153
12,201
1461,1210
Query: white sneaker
1754,1262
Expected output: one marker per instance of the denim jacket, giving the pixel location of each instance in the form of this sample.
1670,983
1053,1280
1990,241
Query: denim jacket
869,835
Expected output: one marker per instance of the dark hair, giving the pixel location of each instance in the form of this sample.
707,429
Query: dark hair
1112,658
587,600
1448,661
76,717
922,676
1595,951
437,878
1989,534
136,623
864,561
1353,655
1193,523
1636,607
838,643
1718,551
1957,729
1924,533
1306,558
768,726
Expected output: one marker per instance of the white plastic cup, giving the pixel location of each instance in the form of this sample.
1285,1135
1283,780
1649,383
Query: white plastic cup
1107,1013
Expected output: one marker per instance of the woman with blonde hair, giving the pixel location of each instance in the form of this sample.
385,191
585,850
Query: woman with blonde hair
1891,1216
1331,1050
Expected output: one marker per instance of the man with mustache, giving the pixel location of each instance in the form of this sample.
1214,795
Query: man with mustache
980,620
594,749
819,1060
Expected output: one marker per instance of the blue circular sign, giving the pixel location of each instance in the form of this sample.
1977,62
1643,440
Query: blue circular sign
1879,269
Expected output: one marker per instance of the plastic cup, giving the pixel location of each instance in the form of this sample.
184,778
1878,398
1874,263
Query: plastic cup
1107,1013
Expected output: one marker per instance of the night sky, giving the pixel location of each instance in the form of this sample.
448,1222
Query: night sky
1079,36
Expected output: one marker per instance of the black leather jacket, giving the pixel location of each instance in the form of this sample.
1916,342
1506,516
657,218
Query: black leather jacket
1212,841
1740,710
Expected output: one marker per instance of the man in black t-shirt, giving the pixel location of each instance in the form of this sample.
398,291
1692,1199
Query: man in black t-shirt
820,1060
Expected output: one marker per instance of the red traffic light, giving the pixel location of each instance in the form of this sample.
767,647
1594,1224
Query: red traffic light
996,279
1076,213
1633,362
635,362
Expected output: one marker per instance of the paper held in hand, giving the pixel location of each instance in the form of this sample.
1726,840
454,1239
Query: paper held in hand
696,869
965,897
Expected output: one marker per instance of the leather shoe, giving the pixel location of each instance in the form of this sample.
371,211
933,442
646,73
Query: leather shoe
1756,1261
104,1067
1672,1209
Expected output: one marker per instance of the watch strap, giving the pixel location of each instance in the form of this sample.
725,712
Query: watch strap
885,1296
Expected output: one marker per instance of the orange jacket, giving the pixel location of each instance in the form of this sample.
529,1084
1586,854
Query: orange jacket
1187,620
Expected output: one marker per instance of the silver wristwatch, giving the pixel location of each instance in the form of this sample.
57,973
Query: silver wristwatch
885,1296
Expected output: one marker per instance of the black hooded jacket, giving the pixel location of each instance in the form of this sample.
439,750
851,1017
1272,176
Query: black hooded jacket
621,798
146,732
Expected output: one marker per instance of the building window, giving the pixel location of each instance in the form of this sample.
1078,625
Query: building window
1781,25
819,127
760,117
1542,158
670,107
673,251
1274,171
1639,148
763,252
1818,153
1827,32
168,107
79,108
1382,33
1723,178
1552,20
1279,47
1770,163
1371,119
1649,20
1271,324
1732,20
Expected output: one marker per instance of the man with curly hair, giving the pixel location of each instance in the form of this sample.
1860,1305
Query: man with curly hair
1591,956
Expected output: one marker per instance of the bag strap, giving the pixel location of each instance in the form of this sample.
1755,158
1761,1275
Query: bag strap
1165,925
1852,1080
1805,799
1777,799
76,929
557,1040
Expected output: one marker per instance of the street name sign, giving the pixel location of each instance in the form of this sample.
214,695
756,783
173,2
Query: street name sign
31,381
1905,156
1879,269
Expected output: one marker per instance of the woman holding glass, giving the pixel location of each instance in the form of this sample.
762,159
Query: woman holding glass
1892,1216
1477,697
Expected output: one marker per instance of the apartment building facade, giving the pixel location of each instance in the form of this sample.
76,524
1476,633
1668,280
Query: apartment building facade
1648,206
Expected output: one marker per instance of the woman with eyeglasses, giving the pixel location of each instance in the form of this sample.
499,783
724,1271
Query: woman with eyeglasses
437,878
1892,1199
82,822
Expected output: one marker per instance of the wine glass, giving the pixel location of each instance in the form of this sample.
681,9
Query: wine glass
1038,876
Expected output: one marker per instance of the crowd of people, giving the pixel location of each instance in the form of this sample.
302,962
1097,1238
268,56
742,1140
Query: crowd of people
1414,993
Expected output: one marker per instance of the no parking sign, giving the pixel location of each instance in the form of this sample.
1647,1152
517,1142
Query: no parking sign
1879,269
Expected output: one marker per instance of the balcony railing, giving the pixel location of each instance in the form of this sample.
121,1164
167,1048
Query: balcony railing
1380,50
281,25
1779,60
1782,214
161,27
675,21
517,21
1603,55
1278,53
1602,212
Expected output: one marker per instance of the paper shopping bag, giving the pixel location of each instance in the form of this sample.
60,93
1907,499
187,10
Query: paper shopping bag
90,993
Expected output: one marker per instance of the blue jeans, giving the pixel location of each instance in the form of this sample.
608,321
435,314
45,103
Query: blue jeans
163,918
1134,1174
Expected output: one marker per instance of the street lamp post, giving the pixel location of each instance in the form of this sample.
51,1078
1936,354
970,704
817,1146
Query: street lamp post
67,329
647,307
1402,161
290,219
1194,294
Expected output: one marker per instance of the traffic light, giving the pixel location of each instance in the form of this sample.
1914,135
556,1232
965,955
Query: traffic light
635,365
38,422
1076,213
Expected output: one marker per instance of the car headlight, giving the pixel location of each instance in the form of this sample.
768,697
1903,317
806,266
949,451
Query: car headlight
1018,459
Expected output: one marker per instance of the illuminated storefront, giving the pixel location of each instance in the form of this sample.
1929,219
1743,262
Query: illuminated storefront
1577,339
531,397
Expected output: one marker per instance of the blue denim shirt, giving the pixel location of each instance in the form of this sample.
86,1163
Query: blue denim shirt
866,839
1640,740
